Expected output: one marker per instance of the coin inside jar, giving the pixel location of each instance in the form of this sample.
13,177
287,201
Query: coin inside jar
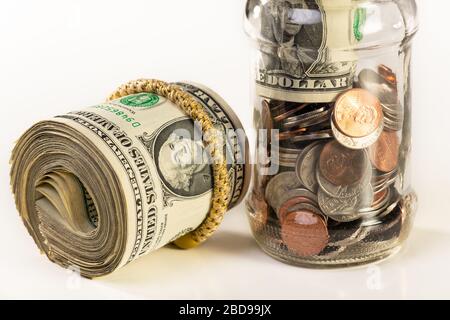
319,135
358,113
342,166
378,85
384,154
307,164
356,143
379,197
290,205
300,193
279,185
388,75
345,209
305,233
289,113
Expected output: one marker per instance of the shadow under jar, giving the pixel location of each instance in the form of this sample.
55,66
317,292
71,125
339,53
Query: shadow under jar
332,108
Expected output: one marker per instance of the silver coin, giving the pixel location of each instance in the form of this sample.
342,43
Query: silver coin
290,151
369,209
382,210
284,155
321,135
395,108
385,185
287,160
356,143
345,209
377,85
394,126
307,115
308,119
305,150
291,161
288,155
379,183
375,219
388,120
384,181
384,176
392,118
291,194
289,165
307,207
346,191
307,123
279,185
391,181
306,166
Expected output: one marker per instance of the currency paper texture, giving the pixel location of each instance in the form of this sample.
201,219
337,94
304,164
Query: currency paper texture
101,187
304,50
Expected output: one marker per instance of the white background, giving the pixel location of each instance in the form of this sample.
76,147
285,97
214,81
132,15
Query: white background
57,56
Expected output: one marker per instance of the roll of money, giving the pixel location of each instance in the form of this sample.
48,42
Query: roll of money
102,187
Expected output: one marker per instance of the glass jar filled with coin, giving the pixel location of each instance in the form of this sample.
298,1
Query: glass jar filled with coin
332,109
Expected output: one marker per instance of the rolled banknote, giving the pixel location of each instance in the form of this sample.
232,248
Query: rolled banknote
306,48
99,188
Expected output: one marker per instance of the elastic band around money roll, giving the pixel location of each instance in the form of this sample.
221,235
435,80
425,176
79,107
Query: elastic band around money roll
193,109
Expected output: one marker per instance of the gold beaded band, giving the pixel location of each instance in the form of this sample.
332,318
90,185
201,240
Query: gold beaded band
194,110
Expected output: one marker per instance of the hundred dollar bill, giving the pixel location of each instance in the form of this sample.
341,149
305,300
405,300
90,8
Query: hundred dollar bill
306,49
101,187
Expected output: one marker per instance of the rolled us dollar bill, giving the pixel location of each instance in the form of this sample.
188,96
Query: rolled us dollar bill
99,188
306,49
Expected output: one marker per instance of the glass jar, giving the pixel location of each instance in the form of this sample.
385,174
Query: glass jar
332,108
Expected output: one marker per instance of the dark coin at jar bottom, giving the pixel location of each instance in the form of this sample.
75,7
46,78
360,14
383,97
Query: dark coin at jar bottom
305,233
340,244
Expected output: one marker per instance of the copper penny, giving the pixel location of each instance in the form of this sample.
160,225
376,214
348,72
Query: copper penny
358,113
384,154
276,105
305,233
286,208
342,166
379,197
291,134
388,74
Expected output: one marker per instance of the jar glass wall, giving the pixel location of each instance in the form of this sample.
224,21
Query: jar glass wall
332,108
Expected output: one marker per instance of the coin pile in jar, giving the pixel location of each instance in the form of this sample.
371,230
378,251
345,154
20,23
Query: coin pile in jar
338,166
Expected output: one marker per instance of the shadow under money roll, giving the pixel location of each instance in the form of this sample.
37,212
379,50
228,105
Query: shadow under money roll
99,188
